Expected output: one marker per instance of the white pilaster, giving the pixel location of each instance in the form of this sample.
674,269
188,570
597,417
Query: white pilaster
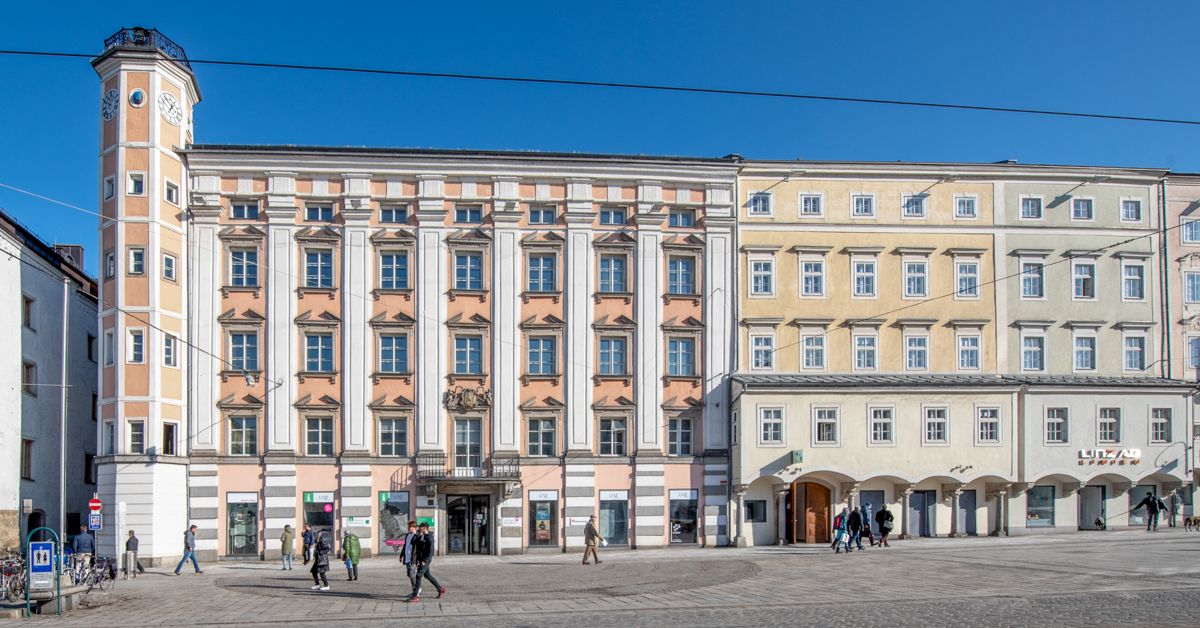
432,274
282,353
206,334
718,314
357,341
506,314
648,305
579,283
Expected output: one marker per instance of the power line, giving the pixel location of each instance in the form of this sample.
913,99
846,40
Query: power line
645,86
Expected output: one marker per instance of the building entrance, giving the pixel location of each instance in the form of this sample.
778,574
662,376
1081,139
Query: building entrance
966,513
1091,508
808,513
921,513
468,524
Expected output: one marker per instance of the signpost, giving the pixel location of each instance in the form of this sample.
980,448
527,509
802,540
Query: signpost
94,505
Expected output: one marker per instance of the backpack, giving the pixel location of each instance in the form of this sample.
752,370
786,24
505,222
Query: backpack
838,521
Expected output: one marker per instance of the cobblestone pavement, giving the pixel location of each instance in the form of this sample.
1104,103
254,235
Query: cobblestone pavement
1128,578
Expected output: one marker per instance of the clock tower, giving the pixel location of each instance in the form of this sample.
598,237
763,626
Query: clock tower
147,94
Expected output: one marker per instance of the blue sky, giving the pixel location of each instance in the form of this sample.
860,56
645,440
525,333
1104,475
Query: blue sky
1103,57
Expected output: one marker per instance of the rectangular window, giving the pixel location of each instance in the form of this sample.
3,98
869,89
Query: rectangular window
1110,425
1056,425
110,265
89,472
110,187
814,352
612,356
541,273
771,420
1032,353
681,275
682,218
1084,277
1193,355
864,278
916,279
1085,353
244,351
243,436
170,350
827,426
681,357
29,379
914,206
95,408
137,347
863,206
468,271
989,425
541,437
1032,286
393,354
541,356
1160,425
26,459
1135,353
470,214
393,271
135,184
612,215
612,273
968,353
864,353
393,437
764,352
168,267
762,277
679,437
171,193
137,437
1039,507
1191,287
612,437
937,427
468,355
110,349
137,261
541,215
318,213
27,314
882,426
393,215
318,354
1191,231
1134,282
319,437
170,439
812,278
1031,209
756,510
318,269
243,268
916,353
1081,209
810,205
468,443
245,210
760,204
91,347
110,438
968,279
964,207
1131,211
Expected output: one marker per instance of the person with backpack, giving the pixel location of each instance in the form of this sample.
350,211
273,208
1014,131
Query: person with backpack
854,526
840,537
320,561
1153,506
351,551
886,523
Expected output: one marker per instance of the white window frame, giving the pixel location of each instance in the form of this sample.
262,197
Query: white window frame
854,351
1040,333
129,261
1066,442
1150,425
751,195
854,196
170,265
110,187
1085,333
108,438
811,259
854,262
924,262
1189,363
974,198
1144,337
1040,261
1142,265
925,408
110,347
924,335
135,175
904,199
1088,261
129,423
168,186
871,408
129,332
1041,217
1120,425
110,264
771,357
1090,199
804,352
978,263
819,196
783,437
999,442
1195,274
958,349
170,350
772,275
837,424
1141,209
1183,222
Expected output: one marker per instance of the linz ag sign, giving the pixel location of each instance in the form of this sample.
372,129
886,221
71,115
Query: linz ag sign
1110,456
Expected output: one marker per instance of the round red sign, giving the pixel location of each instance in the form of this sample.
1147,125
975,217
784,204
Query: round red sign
94,504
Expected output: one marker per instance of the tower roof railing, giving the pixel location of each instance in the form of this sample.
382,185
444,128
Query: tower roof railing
139,37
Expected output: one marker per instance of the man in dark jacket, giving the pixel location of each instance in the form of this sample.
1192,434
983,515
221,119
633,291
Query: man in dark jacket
321,563
189,550
855,524
84,546
409,558
131,556
1153,506
308,538
423,546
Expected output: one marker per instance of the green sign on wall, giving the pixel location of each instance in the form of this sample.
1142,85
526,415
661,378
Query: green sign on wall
428,520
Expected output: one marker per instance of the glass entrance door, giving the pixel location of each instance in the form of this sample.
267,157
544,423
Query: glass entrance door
543,523
468,447
683,505
614,521
243,530
468,524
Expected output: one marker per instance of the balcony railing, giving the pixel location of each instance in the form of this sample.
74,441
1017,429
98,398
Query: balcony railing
148,38
438,466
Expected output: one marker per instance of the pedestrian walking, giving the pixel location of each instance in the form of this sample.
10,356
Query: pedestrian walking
854,525
320,561
189,550
591,538
867,519
886,523
131,557
1153,506
408,557
351,550
308,538
84,546
286,543
423,550
841,534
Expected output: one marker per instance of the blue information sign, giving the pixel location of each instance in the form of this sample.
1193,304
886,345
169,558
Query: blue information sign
94,521
41,557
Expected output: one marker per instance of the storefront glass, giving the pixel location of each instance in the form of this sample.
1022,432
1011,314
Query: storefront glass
393,520
614,517
1136,495
543,518
242,515
318,512
1039,509
683,508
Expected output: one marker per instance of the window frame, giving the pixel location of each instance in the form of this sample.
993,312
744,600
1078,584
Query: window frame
394,208
110,264
607,213
600,363
760,412
907,198
873,260
170,350
469,252
822,276
174,449
27,459
916,335
1191,275
874,335
468,336
1143,350
404,336
769,346
540,430
804,348
233,264
1101,420
306,427
804,195
244,203
29,378
468,208
233,347
1041,334
168,187
600,282
333,268
872,408
1075,277
1183,231
395,253
675,436
130,256
555,345
1041,207
129,443
379,444
109,188
1065,419
555,275
170,263
752,196
755,274
958,262
132,346
1141,209
694,347
975,210
958,351
926,409
305,336
925,277
1040,262
320,208
27,313
1170,425
611,443
1125,298
540,209
816,410
679,212
1084,334
109,349
1091,200
999,420
872,197
242,430
138,176
694,273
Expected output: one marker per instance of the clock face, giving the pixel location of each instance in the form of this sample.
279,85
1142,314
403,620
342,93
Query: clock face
170,108
110,104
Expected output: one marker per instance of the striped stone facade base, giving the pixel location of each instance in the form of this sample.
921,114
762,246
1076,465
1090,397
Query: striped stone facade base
579,501
649,505
203,509
510,536
716,505
279,508
356,501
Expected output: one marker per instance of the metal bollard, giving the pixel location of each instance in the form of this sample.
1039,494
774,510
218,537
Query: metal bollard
130,565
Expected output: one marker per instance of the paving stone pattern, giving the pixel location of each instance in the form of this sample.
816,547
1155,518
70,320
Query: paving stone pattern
1126,578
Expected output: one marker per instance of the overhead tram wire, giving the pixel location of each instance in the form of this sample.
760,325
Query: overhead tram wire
644,87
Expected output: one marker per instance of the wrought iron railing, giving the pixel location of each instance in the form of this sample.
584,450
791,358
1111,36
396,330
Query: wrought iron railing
148,38
432,466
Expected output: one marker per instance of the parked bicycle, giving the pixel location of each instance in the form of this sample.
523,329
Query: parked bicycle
14,578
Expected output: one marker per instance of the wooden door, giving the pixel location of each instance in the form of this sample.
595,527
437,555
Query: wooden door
816,513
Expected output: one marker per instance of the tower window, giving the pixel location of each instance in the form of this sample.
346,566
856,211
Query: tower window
136,184
171,193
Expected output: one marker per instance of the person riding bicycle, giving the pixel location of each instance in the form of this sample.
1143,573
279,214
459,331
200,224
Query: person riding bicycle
84,546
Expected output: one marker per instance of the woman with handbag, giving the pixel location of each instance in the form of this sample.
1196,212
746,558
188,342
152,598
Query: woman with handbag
886,523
